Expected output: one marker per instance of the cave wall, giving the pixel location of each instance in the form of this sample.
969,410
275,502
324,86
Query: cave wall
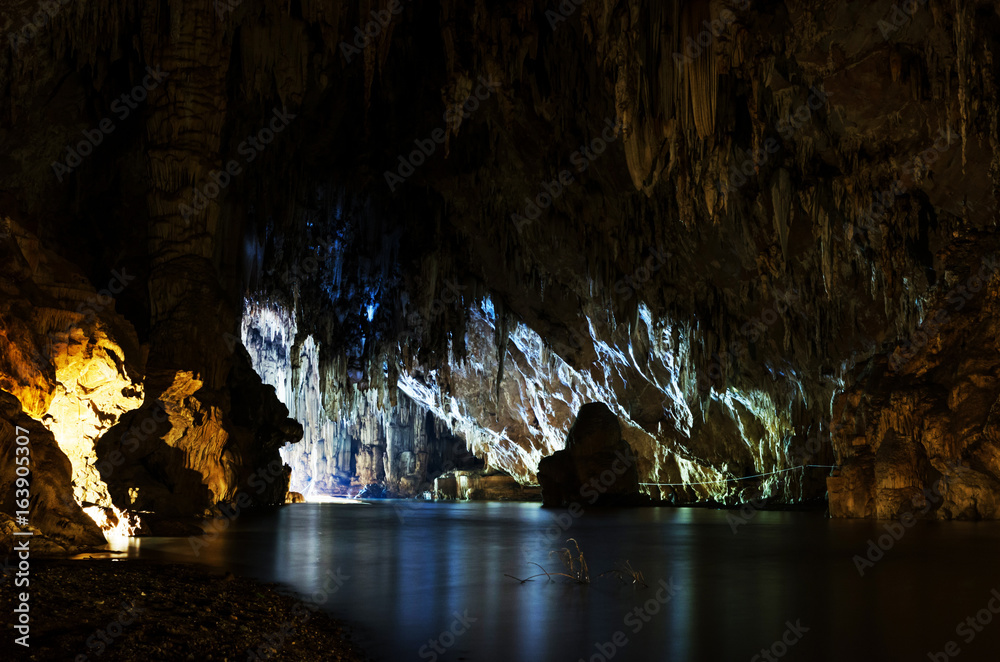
399,445
70,366
696,446
74,373
57,522
811,169
917,435
157,410
402,446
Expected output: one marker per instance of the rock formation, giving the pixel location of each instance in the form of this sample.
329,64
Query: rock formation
73,363
71,366
53,514
401,446
918,434
596,467
720,219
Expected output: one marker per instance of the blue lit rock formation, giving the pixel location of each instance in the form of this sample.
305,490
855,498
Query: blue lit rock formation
400,445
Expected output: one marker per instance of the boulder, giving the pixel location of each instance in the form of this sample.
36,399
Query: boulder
597,466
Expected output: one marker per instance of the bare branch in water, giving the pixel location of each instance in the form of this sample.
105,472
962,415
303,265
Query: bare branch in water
579,572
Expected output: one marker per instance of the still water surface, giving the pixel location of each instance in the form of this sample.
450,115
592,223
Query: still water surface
413,566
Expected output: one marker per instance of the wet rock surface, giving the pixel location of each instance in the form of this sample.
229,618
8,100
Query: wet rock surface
372,491
481,486
74,373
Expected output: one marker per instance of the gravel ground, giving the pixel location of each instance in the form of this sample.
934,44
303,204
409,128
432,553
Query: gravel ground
84,611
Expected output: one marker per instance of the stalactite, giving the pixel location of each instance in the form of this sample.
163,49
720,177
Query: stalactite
686,127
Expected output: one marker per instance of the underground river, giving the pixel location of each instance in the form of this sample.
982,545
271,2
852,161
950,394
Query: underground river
426,581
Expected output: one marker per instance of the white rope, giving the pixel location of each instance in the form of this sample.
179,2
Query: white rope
728,480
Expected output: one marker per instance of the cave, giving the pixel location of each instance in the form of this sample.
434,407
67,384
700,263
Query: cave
500,330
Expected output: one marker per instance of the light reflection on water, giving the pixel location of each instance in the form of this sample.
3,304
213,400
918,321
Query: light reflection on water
413,565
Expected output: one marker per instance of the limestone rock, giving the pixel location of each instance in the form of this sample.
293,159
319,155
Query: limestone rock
372,491
401,447
597,465
54,515
919,432
194,447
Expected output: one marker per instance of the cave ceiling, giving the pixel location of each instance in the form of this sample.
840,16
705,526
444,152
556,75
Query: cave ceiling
763,196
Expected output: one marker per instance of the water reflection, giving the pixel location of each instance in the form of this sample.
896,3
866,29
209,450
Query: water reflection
412,570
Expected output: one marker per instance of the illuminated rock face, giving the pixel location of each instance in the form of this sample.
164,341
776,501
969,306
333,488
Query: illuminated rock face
189,450
920,434
403,446
93,392
396,445
648,383
744,247
53,514
477,486
322,463
73,364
